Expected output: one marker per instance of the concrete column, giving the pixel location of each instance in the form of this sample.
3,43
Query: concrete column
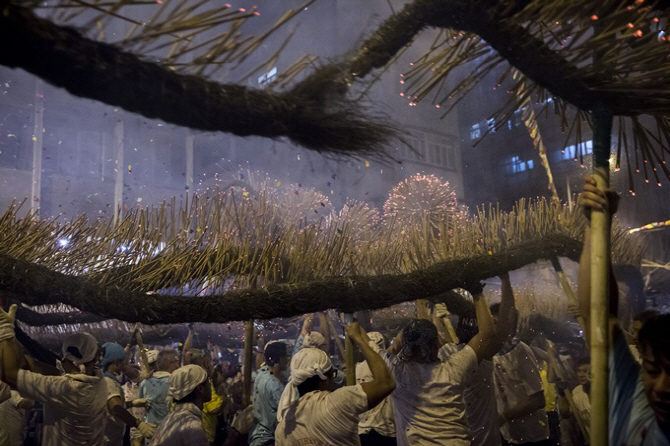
190,142
120,170
38,134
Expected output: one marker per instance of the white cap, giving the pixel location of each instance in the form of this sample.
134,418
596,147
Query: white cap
185,379
152,355
378,339
307,363
80,348
314,340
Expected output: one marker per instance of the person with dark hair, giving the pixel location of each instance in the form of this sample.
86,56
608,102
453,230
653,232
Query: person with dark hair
639,397
203,358
113,362
75,408
155,389
189,390
582,393
480,394
267,391
311,412
428,402
638,322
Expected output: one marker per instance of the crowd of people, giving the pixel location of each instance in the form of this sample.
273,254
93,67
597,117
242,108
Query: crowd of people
432,385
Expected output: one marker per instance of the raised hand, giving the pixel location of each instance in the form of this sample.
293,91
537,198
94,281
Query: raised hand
7,323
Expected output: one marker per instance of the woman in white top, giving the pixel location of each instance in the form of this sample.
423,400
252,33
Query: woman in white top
310,413
428,403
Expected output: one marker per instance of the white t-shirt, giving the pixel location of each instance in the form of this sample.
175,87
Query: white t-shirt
75,407
182,427
380,417
12,421
428,402
583,405
323,418
480,401
517,376
115,429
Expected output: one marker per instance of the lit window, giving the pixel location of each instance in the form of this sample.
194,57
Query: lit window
518,166
475,131
574,151
491,123
268,77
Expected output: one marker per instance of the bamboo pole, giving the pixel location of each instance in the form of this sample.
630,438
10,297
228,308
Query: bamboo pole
349,357
144,360
450,330
38,132
118,177
338,341
600,281
421,309
567,289
248,360
190,143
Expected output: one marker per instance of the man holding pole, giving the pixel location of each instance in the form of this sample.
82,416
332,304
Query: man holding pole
639,410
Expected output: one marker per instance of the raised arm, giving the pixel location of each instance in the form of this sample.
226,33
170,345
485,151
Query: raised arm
507,316
307,325
11,356
484,342
117,409
383,383
324,329
188,344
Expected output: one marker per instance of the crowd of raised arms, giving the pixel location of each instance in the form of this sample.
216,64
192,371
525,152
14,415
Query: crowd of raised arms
428,386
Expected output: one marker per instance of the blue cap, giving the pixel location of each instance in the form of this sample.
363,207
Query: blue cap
111,351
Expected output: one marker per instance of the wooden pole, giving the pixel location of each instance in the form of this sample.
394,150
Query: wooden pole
38,134
450,330
119,171
190,142
567,289
248,360
422,309
144,360
349,356
338,341
600,281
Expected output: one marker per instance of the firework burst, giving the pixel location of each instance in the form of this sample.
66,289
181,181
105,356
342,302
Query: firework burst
420,198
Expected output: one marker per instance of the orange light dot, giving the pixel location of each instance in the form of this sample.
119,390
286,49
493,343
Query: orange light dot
638,33
630,25
594,17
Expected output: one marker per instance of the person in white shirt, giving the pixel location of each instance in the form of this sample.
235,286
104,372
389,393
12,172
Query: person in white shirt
74,404
13,419
113,362
520,396
479,394
190,390
428,402
310,413
376,426
580,395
